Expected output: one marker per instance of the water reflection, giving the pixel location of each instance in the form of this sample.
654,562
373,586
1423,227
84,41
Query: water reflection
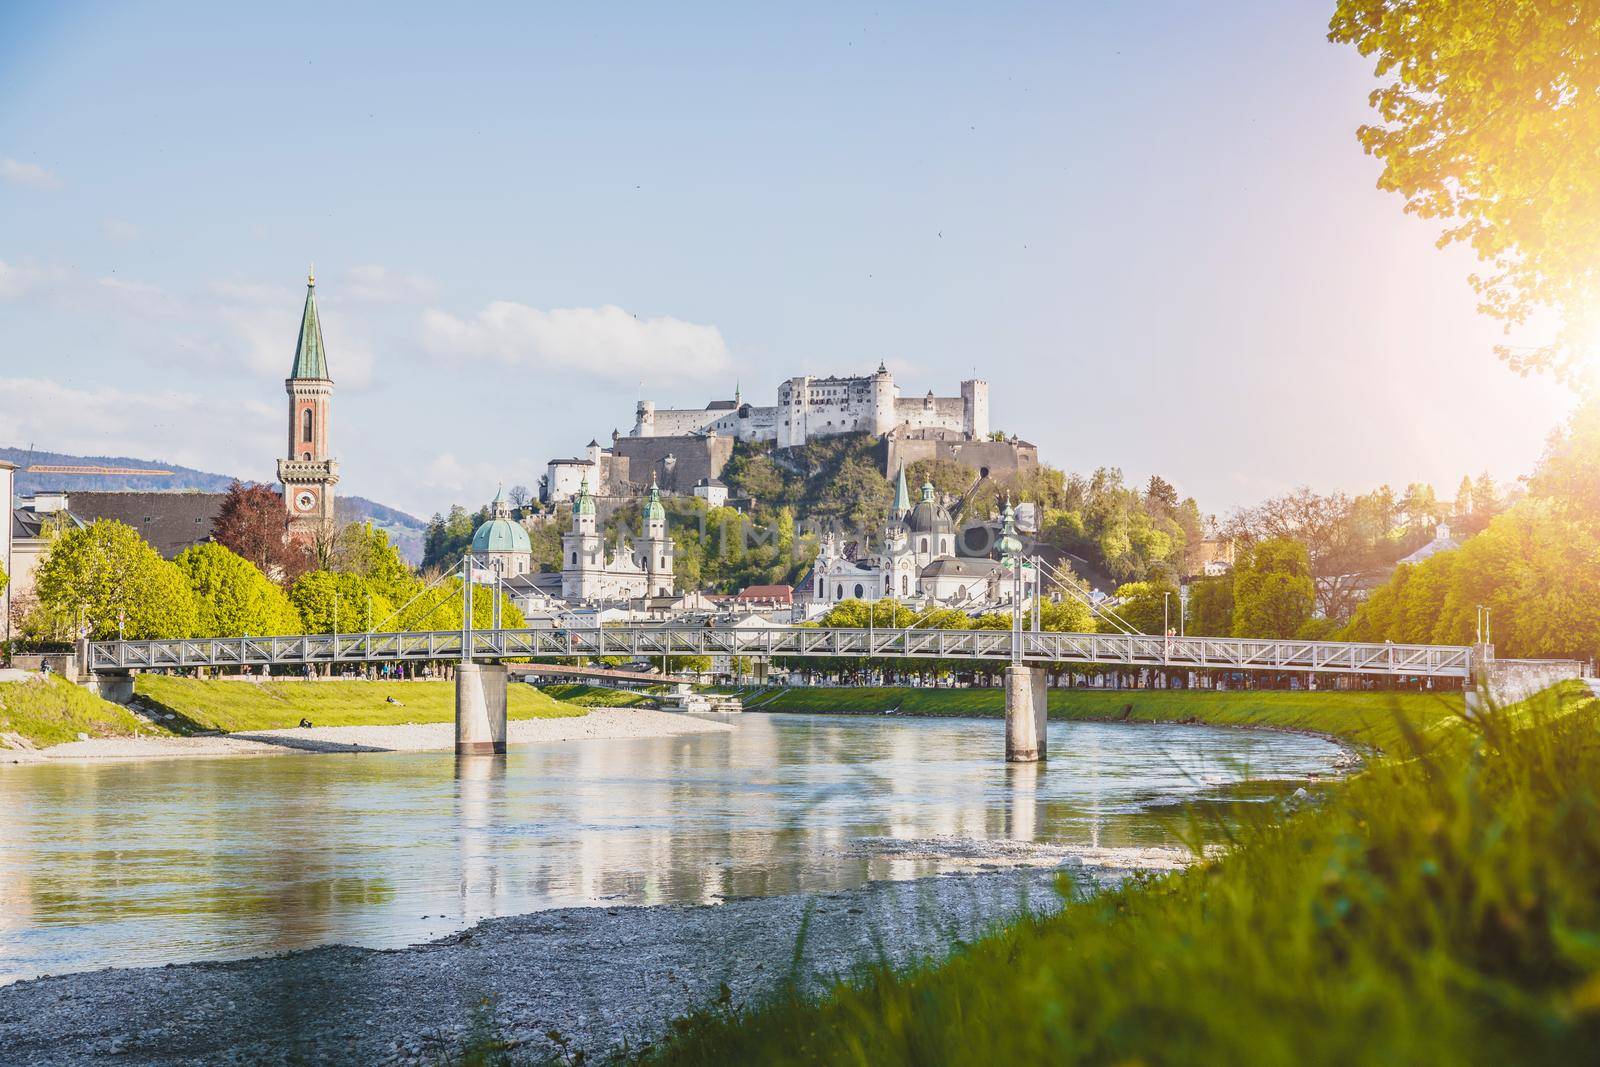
142,863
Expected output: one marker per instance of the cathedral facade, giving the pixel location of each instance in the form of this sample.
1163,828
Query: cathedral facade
308,471
591,572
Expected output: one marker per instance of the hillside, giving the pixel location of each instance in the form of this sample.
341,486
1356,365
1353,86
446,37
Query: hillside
403,529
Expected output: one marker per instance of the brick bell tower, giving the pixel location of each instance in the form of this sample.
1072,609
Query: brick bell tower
308,473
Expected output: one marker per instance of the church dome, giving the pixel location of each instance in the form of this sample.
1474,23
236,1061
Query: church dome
928,516
500,533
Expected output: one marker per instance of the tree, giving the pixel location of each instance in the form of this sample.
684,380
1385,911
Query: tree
105,577
340,603
1146,606
232,597
1489,120
1272,589
518,496
364,550
252,524
1210,607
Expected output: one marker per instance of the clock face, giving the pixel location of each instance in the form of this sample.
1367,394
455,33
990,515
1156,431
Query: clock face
305,500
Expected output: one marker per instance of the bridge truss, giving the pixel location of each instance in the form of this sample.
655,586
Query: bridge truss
1038,648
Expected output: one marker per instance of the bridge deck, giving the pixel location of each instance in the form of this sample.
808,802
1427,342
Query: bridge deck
1037,647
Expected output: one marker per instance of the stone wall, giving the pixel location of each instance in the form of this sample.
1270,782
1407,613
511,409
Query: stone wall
1000,458
676,462
1511,680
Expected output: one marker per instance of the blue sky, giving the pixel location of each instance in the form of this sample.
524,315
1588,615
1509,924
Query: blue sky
1151,229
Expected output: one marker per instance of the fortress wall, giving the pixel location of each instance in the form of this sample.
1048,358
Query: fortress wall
693,458
1000,458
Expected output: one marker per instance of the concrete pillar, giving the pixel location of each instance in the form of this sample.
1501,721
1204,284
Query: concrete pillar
116,686
1023,742
1041,709
480,709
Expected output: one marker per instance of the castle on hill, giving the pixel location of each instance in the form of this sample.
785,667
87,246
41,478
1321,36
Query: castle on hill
680,448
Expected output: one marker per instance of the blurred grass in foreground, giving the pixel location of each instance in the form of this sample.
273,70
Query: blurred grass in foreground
1442,907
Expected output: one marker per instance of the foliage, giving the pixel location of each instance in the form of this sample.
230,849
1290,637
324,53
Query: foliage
448,536
231,704
1272,589
52,711
329,602
1148,606
107,578
1442,909
253,524
1210,607
232,597
1489,120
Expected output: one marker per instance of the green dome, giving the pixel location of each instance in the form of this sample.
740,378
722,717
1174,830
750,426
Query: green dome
653,509
501,535
585,503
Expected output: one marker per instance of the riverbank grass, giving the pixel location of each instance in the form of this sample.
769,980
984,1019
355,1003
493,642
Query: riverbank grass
231,705
1443,907
1378,720
51,711
598,696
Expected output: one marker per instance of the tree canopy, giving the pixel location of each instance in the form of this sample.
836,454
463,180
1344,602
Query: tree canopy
106,578
1489,121
232,597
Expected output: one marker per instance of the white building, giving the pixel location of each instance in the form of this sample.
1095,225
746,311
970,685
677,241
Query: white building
712,491
590,572
918,562
810,407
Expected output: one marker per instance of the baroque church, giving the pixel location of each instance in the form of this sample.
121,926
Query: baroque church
918,561
591,572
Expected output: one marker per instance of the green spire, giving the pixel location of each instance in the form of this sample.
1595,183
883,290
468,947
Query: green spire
310,361
653,510
902,495
1010,544
585,504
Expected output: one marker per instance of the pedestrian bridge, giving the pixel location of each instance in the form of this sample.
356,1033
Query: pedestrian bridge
1031,647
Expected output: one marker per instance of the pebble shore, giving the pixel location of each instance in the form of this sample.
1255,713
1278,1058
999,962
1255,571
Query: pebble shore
596,977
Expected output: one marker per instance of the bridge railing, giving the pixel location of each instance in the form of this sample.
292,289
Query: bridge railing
1036,647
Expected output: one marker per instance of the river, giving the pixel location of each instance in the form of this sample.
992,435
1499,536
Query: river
166,861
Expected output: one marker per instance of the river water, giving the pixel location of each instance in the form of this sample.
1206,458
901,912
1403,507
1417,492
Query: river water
164,861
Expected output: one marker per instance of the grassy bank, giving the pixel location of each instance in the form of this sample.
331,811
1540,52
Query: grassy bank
1443,907
1377,720
50,711
597,696
233,705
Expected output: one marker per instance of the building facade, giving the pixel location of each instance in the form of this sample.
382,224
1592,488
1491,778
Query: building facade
591,572
308,471
810,407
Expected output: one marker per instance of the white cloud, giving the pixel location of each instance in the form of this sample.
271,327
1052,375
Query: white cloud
236,436
371,283
30,174
120,230
606,342
17,279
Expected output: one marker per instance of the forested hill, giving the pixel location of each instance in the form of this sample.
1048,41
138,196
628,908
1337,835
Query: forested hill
403,529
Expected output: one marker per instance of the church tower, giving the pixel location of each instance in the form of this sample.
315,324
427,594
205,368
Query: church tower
655,547
308,473
583,551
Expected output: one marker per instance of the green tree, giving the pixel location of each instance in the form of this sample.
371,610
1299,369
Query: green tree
1272,589
232,596
333,602
105,577
1146,605
1210,607
1489,121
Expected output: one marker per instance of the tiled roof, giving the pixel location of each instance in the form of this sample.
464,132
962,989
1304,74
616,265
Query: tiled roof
171,522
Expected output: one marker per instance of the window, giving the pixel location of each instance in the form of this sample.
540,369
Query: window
574,559
305,425
859,591
839,593
905,585
924,544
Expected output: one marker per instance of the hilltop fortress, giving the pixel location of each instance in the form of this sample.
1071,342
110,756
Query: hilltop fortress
681,449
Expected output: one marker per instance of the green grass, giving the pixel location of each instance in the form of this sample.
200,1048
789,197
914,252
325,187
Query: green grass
50,711
233,705
1443,907
1373,719
597,696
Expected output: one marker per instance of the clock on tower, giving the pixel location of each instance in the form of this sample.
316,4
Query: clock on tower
308,473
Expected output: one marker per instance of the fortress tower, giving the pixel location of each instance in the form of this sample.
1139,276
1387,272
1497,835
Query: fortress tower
308,472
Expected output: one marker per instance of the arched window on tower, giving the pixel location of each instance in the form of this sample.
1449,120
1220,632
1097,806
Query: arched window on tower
305,425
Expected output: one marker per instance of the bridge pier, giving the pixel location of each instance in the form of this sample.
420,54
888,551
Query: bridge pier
115,686
1026,711
480,709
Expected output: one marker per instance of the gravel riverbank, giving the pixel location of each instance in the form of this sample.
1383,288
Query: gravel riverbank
595,976
599,723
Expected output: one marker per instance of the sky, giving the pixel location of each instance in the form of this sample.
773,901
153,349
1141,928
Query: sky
1149,227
